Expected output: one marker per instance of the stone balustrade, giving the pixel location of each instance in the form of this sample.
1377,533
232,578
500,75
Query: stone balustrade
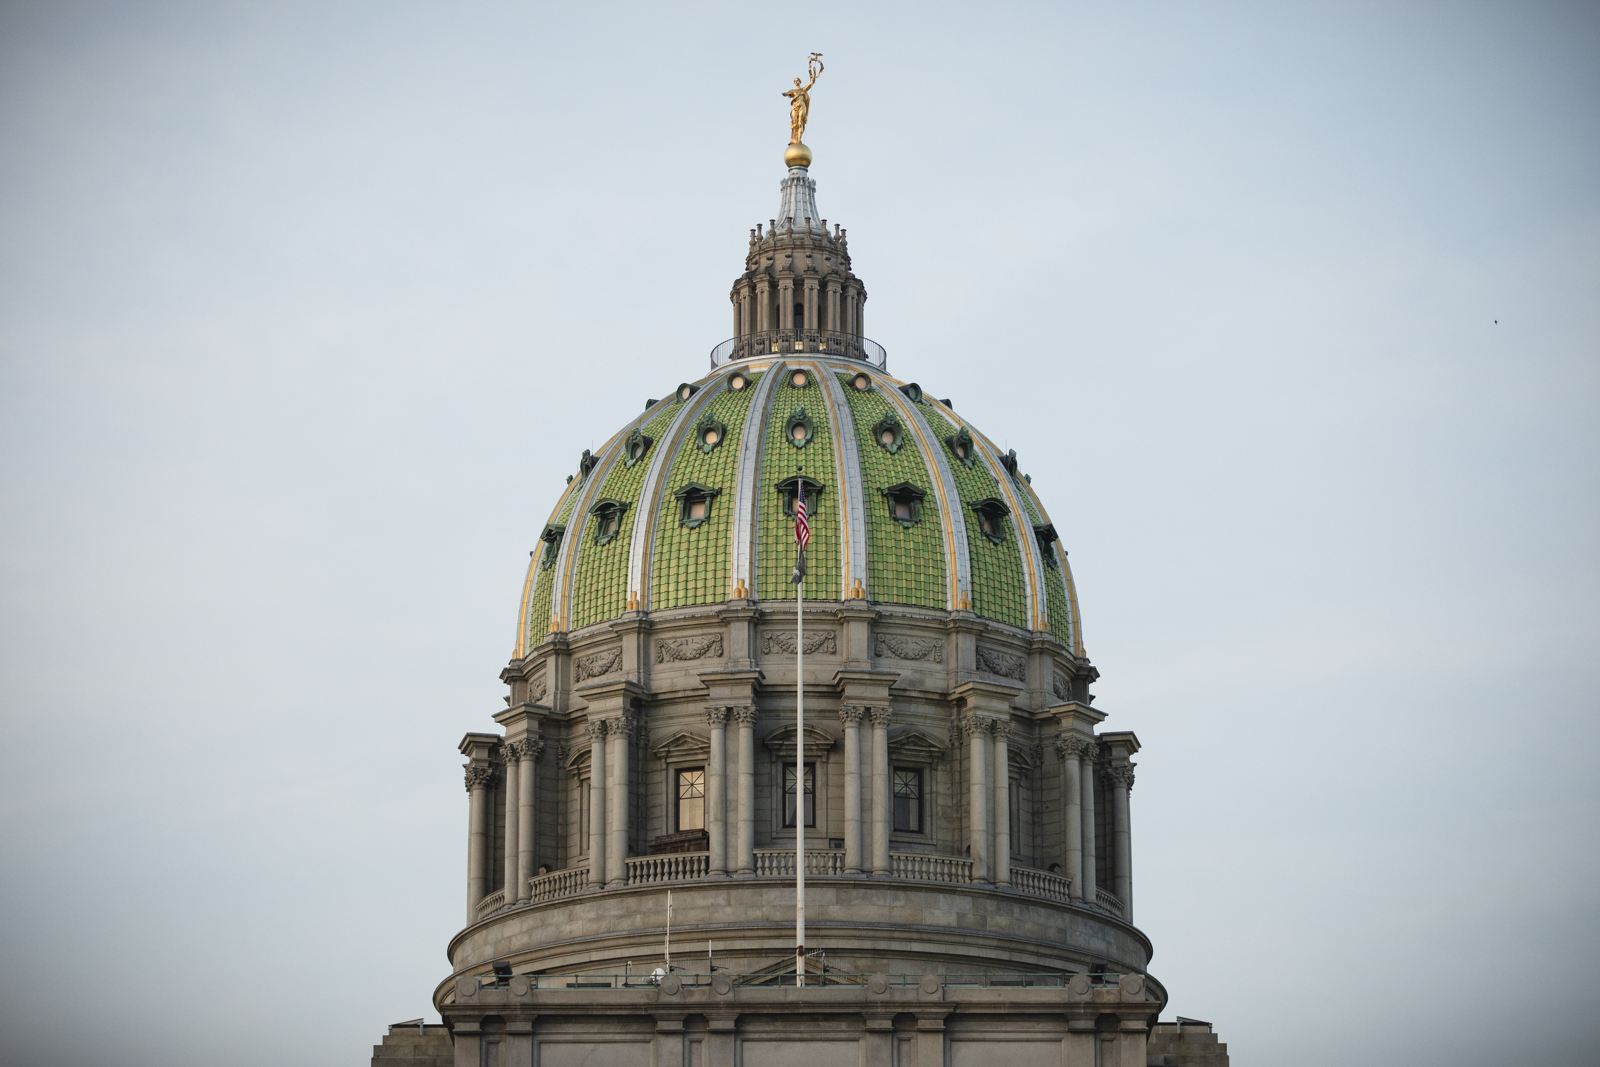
1108,901
779,862
1041,883
493,902
923,867
560,884
672,867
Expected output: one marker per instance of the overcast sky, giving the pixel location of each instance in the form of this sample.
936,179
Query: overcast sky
306,310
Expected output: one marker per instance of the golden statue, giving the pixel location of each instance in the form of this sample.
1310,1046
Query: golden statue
800,99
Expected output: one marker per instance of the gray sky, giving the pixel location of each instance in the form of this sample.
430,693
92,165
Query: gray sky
306,311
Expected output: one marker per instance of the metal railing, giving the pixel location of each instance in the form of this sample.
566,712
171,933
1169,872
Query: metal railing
790,342
648,977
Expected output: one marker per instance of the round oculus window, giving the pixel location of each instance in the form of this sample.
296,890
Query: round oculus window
711,436
798,379
685,392
738,382
861,383
799,431
887,437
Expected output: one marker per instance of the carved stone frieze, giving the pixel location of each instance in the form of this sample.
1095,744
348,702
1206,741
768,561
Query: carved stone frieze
783,641
597,664
909,648
538,688
1061,686
993,661
699,646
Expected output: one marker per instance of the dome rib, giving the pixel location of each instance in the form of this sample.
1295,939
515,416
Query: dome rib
744,501
847,457
644,525
1025,539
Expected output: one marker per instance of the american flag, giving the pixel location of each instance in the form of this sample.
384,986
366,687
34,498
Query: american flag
802,528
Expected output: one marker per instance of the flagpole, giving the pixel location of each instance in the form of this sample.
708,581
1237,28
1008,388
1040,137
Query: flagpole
800,773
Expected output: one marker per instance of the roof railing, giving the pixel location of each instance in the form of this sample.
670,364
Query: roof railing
799,342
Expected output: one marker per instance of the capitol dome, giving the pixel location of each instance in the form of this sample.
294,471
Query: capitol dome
960,818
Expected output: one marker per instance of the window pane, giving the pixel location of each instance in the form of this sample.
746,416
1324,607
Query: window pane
691,799
788,795
908,800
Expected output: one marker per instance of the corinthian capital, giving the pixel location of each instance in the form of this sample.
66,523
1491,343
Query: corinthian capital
973,724
850,715
524,751
1075,748
745,715
716,717
1001,728
597,729
880,717
1119,775
478,776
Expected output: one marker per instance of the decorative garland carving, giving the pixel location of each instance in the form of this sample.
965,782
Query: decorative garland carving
996,662
909,648
597,664
679,649
783,641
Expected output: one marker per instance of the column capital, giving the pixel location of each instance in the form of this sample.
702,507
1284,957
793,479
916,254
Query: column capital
850,715
717,717
972,723
478,775
525,750
1001,729
1119,774
880,716
744,714
597,729
1076,748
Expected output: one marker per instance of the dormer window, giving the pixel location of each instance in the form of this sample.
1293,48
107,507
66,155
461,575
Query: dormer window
635,447
586,463
961,446
992,516
738,383
694,503
1009,462
861,383
552,541
607,520
1046,536
799,428
905,503
790,488
686,390
913,391
800,379
888,432
710,434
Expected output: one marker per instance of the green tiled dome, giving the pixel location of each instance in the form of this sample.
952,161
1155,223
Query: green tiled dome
686,506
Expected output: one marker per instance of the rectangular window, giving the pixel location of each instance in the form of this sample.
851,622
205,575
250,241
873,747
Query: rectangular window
692,799
908,800
788,795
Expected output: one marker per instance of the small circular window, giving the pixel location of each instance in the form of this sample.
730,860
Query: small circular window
886,438
685,392
636,450
961,450
799,379
711,436
738,382
861,383
798,432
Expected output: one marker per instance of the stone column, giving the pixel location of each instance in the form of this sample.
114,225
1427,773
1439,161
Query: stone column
1119,777
1071,793
850,719
882,808
786,304
764,308
597,803
717,792
478,777
511,751
977,731
527,827
1002,802
745,856
1087,752
619,735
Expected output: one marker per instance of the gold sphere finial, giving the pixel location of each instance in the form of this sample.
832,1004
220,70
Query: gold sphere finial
797,155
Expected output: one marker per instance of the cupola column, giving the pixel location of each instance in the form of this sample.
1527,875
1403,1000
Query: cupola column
597,803
1086,758
619,735
812,315
764,307
512,752
717,792
850,719
527,819
1002,802
785,305
832,323
880,791
1067,748
977,731
478,777
745,854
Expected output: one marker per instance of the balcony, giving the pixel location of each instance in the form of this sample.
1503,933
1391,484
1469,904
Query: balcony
778,864
802,342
